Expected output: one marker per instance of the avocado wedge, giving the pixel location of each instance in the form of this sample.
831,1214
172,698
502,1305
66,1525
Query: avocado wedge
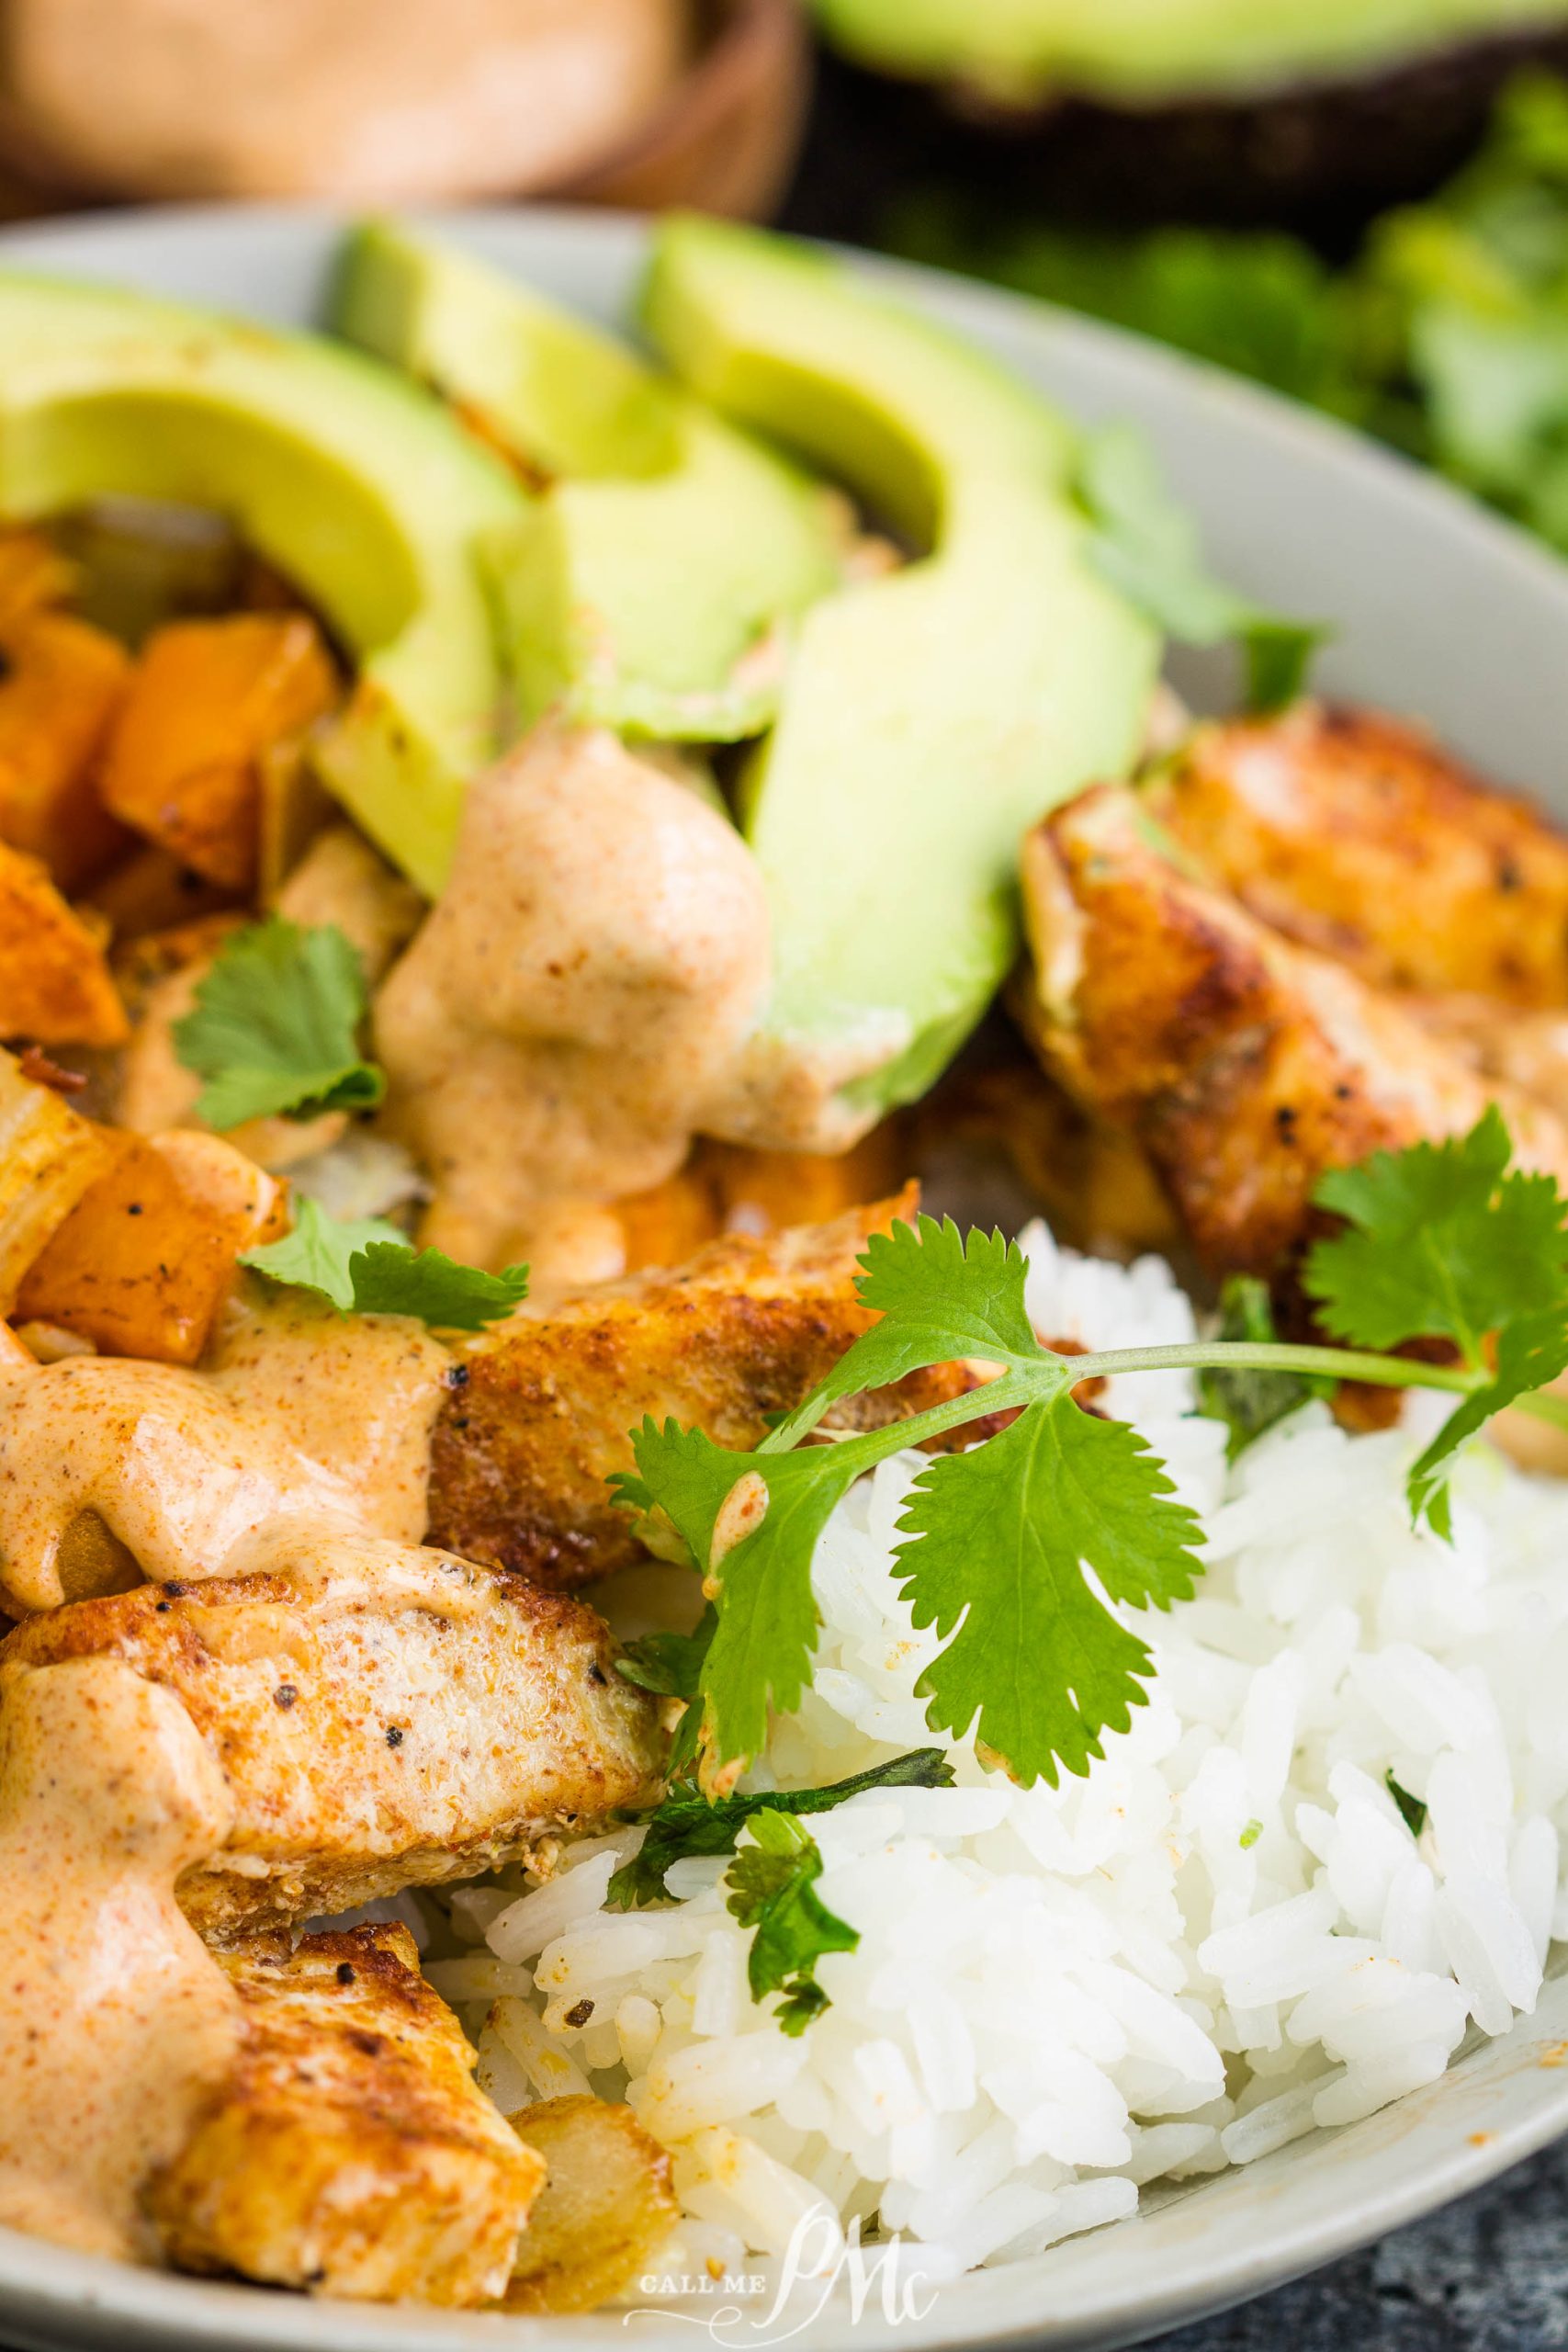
929,716
354,484
650,584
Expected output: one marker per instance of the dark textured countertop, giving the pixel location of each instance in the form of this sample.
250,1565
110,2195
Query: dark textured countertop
1487,2275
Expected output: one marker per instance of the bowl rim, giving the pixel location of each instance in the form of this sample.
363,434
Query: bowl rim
50,2296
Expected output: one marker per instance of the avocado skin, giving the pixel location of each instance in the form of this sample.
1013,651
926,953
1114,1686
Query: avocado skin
354,484
930,716
1319,158
650,583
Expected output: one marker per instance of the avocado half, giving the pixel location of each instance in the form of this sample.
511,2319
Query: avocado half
352,481
1315,133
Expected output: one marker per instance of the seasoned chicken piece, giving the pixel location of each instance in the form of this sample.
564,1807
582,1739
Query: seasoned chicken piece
1528,1050
541,1408
385,1716
606,2207
351,2151
1360,836
1243,1066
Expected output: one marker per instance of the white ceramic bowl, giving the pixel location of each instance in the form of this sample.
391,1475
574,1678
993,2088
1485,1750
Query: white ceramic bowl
1440,611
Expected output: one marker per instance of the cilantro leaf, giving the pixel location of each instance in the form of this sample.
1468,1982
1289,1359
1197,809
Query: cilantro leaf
771,1889
1412,1811
1249,1403
684,1826
669,1665
999,1539
390,1278
940,1294
1531,1351
319,1253
366,1267
1147,546
274,1025
760,1658
1445,1242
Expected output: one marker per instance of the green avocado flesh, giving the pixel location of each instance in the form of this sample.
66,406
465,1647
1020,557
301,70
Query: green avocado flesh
649,586
1150,51
930,716
354,484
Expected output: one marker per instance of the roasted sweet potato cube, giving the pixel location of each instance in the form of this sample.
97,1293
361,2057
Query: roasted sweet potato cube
55,987
206,702
61,686
32,574
143,1262
48,1157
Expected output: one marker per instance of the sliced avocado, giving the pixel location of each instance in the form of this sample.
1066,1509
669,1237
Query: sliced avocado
352,482
648,586
1145,52
928,716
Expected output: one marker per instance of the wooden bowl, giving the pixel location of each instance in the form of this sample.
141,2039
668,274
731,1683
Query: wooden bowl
726,138
723,140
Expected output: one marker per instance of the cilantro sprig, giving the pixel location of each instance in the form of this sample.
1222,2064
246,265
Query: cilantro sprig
274,1027
364,1266
1022,1551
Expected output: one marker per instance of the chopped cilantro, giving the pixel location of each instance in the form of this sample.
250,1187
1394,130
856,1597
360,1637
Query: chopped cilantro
1444,1241
366,1267
1413,1812
1147,546
275,1025
1447,1241
1249,1403
772,1887
686,1825
390,1278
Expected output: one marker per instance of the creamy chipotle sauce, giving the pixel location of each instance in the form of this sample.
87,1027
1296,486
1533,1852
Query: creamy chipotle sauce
300,1416
116,2025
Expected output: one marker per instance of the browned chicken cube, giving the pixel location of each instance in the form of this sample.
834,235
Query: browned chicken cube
352,2152
384,1716
1360,836
542,1407
1243,1065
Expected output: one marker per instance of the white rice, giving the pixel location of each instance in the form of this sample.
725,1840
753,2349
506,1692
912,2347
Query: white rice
1224,1937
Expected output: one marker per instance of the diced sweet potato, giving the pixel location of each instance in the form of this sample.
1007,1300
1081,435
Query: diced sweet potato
143,1262
730,1188
206,701
61,686
606,2206
48,1157
55,987
32,574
